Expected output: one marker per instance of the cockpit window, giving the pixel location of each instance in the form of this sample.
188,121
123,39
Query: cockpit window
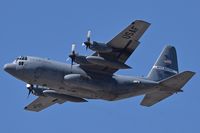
21,63
22,58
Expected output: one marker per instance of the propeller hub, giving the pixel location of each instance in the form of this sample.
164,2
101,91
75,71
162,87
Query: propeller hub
30,89
73,54
88,43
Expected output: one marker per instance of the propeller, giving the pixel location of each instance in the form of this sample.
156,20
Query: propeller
88,43
30,89
73,54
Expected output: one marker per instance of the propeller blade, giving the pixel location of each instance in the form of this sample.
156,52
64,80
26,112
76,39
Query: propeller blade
30,89
72,55
72,61
68,59
88,36
83,44
73,47
87,46
88,43
29,92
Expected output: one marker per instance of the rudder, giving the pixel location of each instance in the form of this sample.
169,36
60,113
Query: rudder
165,66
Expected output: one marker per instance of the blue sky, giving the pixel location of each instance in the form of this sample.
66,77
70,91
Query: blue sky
47,28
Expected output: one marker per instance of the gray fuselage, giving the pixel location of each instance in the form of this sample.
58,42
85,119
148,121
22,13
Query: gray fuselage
75,81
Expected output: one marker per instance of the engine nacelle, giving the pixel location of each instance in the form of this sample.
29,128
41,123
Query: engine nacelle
103,62
36,90
81,60
100,47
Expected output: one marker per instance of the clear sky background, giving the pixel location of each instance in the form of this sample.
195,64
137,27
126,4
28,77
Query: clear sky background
47,28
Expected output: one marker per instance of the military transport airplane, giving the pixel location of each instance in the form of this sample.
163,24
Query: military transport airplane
92,77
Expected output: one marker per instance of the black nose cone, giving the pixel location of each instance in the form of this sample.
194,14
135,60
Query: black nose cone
10,68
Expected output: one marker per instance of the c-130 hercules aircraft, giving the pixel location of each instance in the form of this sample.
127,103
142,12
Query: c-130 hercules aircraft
92,77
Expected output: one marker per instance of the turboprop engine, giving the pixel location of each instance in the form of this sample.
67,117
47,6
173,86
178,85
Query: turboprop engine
103,62
96,46
45,92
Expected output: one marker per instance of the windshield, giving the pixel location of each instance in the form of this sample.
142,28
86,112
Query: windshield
20,58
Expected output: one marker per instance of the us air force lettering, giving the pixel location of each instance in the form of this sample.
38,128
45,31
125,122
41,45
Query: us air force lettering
93,76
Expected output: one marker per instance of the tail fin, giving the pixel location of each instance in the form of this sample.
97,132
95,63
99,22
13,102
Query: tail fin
165,66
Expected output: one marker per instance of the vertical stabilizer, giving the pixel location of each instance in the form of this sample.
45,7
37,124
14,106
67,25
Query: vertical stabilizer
165,66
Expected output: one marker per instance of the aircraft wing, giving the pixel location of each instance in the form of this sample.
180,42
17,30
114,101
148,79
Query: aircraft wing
41,103
123,45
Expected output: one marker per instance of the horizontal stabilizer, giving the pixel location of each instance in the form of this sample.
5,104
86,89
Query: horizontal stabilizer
167,87
176,82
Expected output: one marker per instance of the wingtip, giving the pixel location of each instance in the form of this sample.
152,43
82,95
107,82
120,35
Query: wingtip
145,104
26,108
190,72
141,21
127,67
169,46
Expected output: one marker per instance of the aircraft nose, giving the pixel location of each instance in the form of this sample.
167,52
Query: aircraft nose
10,68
